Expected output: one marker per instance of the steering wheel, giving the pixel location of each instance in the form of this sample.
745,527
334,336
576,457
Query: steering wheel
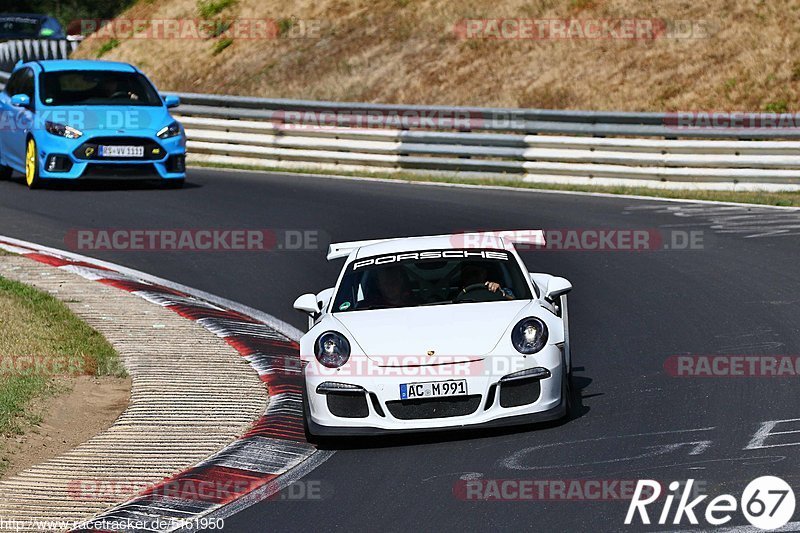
488,296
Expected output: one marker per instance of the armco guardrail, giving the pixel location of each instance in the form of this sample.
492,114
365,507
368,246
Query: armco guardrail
28,49
581,147
530,144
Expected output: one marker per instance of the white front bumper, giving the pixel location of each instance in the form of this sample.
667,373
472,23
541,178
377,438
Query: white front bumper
381,385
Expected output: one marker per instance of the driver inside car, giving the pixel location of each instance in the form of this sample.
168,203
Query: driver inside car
393,289
111,89
477,274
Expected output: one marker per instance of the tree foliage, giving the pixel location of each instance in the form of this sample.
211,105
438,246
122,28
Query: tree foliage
68,11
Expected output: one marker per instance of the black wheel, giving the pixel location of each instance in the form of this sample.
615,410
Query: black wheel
566,390
310,437
172,183
564,313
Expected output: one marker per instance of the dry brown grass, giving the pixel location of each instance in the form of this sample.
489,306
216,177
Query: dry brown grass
407,51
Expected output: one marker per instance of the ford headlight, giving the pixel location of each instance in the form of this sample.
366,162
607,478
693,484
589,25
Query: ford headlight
169,131
332,349
62,130
529,335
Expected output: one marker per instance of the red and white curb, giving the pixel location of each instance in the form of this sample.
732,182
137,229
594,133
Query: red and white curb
269,457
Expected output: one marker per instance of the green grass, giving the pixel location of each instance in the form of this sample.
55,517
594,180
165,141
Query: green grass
220,27
107,46
285,25
786,199
778,106
211,8
41,340
221,45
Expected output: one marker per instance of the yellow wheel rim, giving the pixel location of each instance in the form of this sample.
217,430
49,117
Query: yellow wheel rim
30,162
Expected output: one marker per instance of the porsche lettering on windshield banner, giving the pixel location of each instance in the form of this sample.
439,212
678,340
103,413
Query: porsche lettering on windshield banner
429,254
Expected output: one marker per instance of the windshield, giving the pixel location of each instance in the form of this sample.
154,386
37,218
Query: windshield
97,87
19,27
430,277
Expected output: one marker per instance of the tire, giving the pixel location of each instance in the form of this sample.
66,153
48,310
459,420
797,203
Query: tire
566,377
172,183
565,319
310,437
566,391
32,179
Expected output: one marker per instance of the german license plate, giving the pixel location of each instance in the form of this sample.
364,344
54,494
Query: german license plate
121,151
433,389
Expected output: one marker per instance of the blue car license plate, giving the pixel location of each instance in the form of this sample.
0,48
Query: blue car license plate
121,151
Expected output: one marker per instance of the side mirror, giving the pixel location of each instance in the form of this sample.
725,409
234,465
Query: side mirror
21,100
307,303
171,100
556,287
324,298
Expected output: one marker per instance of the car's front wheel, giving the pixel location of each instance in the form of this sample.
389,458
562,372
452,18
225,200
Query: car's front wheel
566,390
32,178
310,437
563,312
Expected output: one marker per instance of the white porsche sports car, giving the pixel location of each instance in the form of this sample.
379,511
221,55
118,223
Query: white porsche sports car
427,333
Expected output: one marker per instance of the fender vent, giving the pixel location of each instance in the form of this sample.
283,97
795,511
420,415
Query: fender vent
347,404
520,392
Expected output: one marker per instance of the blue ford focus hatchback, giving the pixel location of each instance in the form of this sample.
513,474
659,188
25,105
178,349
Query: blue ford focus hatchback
70,119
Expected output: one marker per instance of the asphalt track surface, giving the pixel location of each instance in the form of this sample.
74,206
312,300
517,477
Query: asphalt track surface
630,311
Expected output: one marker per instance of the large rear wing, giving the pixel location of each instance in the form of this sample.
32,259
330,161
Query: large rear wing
343,249
480,239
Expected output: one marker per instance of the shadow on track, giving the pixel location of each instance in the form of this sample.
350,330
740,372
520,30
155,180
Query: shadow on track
99,185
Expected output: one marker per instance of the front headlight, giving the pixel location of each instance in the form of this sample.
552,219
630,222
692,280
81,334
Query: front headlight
332,349
529,335
62,130
169,131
